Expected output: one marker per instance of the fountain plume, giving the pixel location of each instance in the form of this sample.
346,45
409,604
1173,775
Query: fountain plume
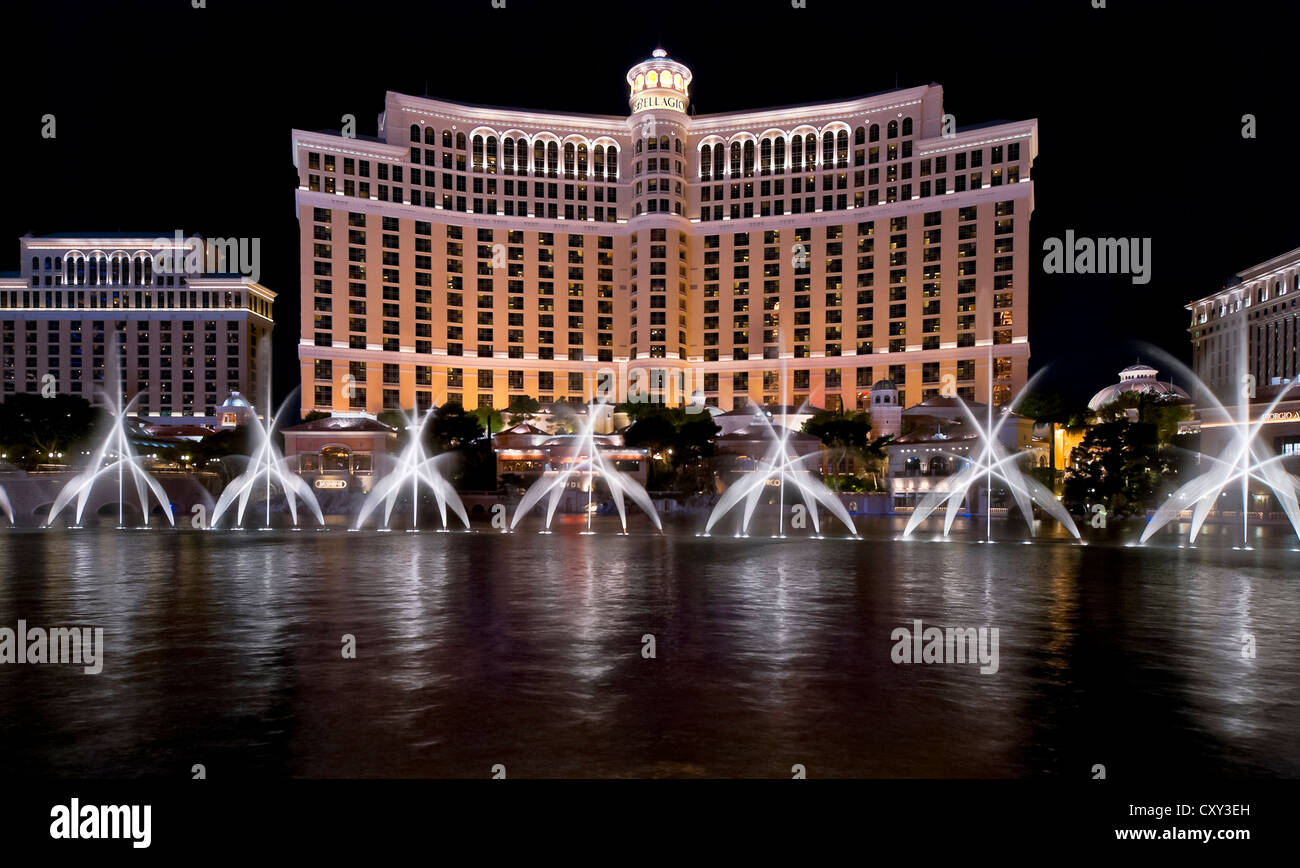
267,465
993,461
1245,458
591,463
778,464
415,466
113,456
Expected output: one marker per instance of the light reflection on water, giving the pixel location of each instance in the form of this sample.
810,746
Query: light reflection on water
525,649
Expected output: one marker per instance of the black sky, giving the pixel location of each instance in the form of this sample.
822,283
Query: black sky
172,117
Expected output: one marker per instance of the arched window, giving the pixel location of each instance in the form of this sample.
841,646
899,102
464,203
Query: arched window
828,149
492,154
663,143
810,151
907,126
735,159
415,132
719,162
749,159
780,155
336,458
36,263
478,154
842,149
765,157
569,159
539,157
893,129
430,137
552,160
582,162
875,133
508,155
598,162
446,138
611,163
460,141
860,136
706,163
677,146
796,153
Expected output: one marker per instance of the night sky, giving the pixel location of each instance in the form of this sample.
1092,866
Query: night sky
170,117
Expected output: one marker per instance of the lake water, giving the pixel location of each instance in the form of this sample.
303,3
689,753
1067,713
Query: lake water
526,650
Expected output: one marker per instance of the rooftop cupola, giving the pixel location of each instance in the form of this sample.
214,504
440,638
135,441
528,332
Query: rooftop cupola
659,84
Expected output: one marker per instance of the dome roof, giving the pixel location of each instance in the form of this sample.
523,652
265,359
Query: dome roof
1137,378
236,400
1138,371
884,384
659,83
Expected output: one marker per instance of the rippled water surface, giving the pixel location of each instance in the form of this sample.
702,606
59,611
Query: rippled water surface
479,648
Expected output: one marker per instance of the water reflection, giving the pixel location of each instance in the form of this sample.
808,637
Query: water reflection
521,649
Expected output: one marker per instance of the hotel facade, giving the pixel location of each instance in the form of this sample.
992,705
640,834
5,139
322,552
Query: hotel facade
777,255
1255,318
186,338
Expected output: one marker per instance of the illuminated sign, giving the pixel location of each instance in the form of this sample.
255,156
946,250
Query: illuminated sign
656,101
331,483
1284,416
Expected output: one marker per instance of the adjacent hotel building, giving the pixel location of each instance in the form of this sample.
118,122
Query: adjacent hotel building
186,340
1252,327
473,254
1255,317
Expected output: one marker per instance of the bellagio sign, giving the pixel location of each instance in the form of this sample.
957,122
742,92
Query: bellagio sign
658,101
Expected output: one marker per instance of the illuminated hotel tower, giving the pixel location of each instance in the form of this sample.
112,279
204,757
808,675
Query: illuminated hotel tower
1253,321
186,337
474,254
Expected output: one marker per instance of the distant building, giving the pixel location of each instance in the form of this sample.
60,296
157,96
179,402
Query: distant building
235,411
1137,378
1277,424
1254,320
340,452
886,413
528,453
185,338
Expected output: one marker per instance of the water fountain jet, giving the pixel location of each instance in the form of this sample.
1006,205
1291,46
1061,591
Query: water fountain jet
116,450
415,466
590,462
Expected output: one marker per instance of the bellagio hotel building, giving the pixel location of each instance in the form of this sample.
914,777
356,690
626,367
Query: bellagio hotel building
474,254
